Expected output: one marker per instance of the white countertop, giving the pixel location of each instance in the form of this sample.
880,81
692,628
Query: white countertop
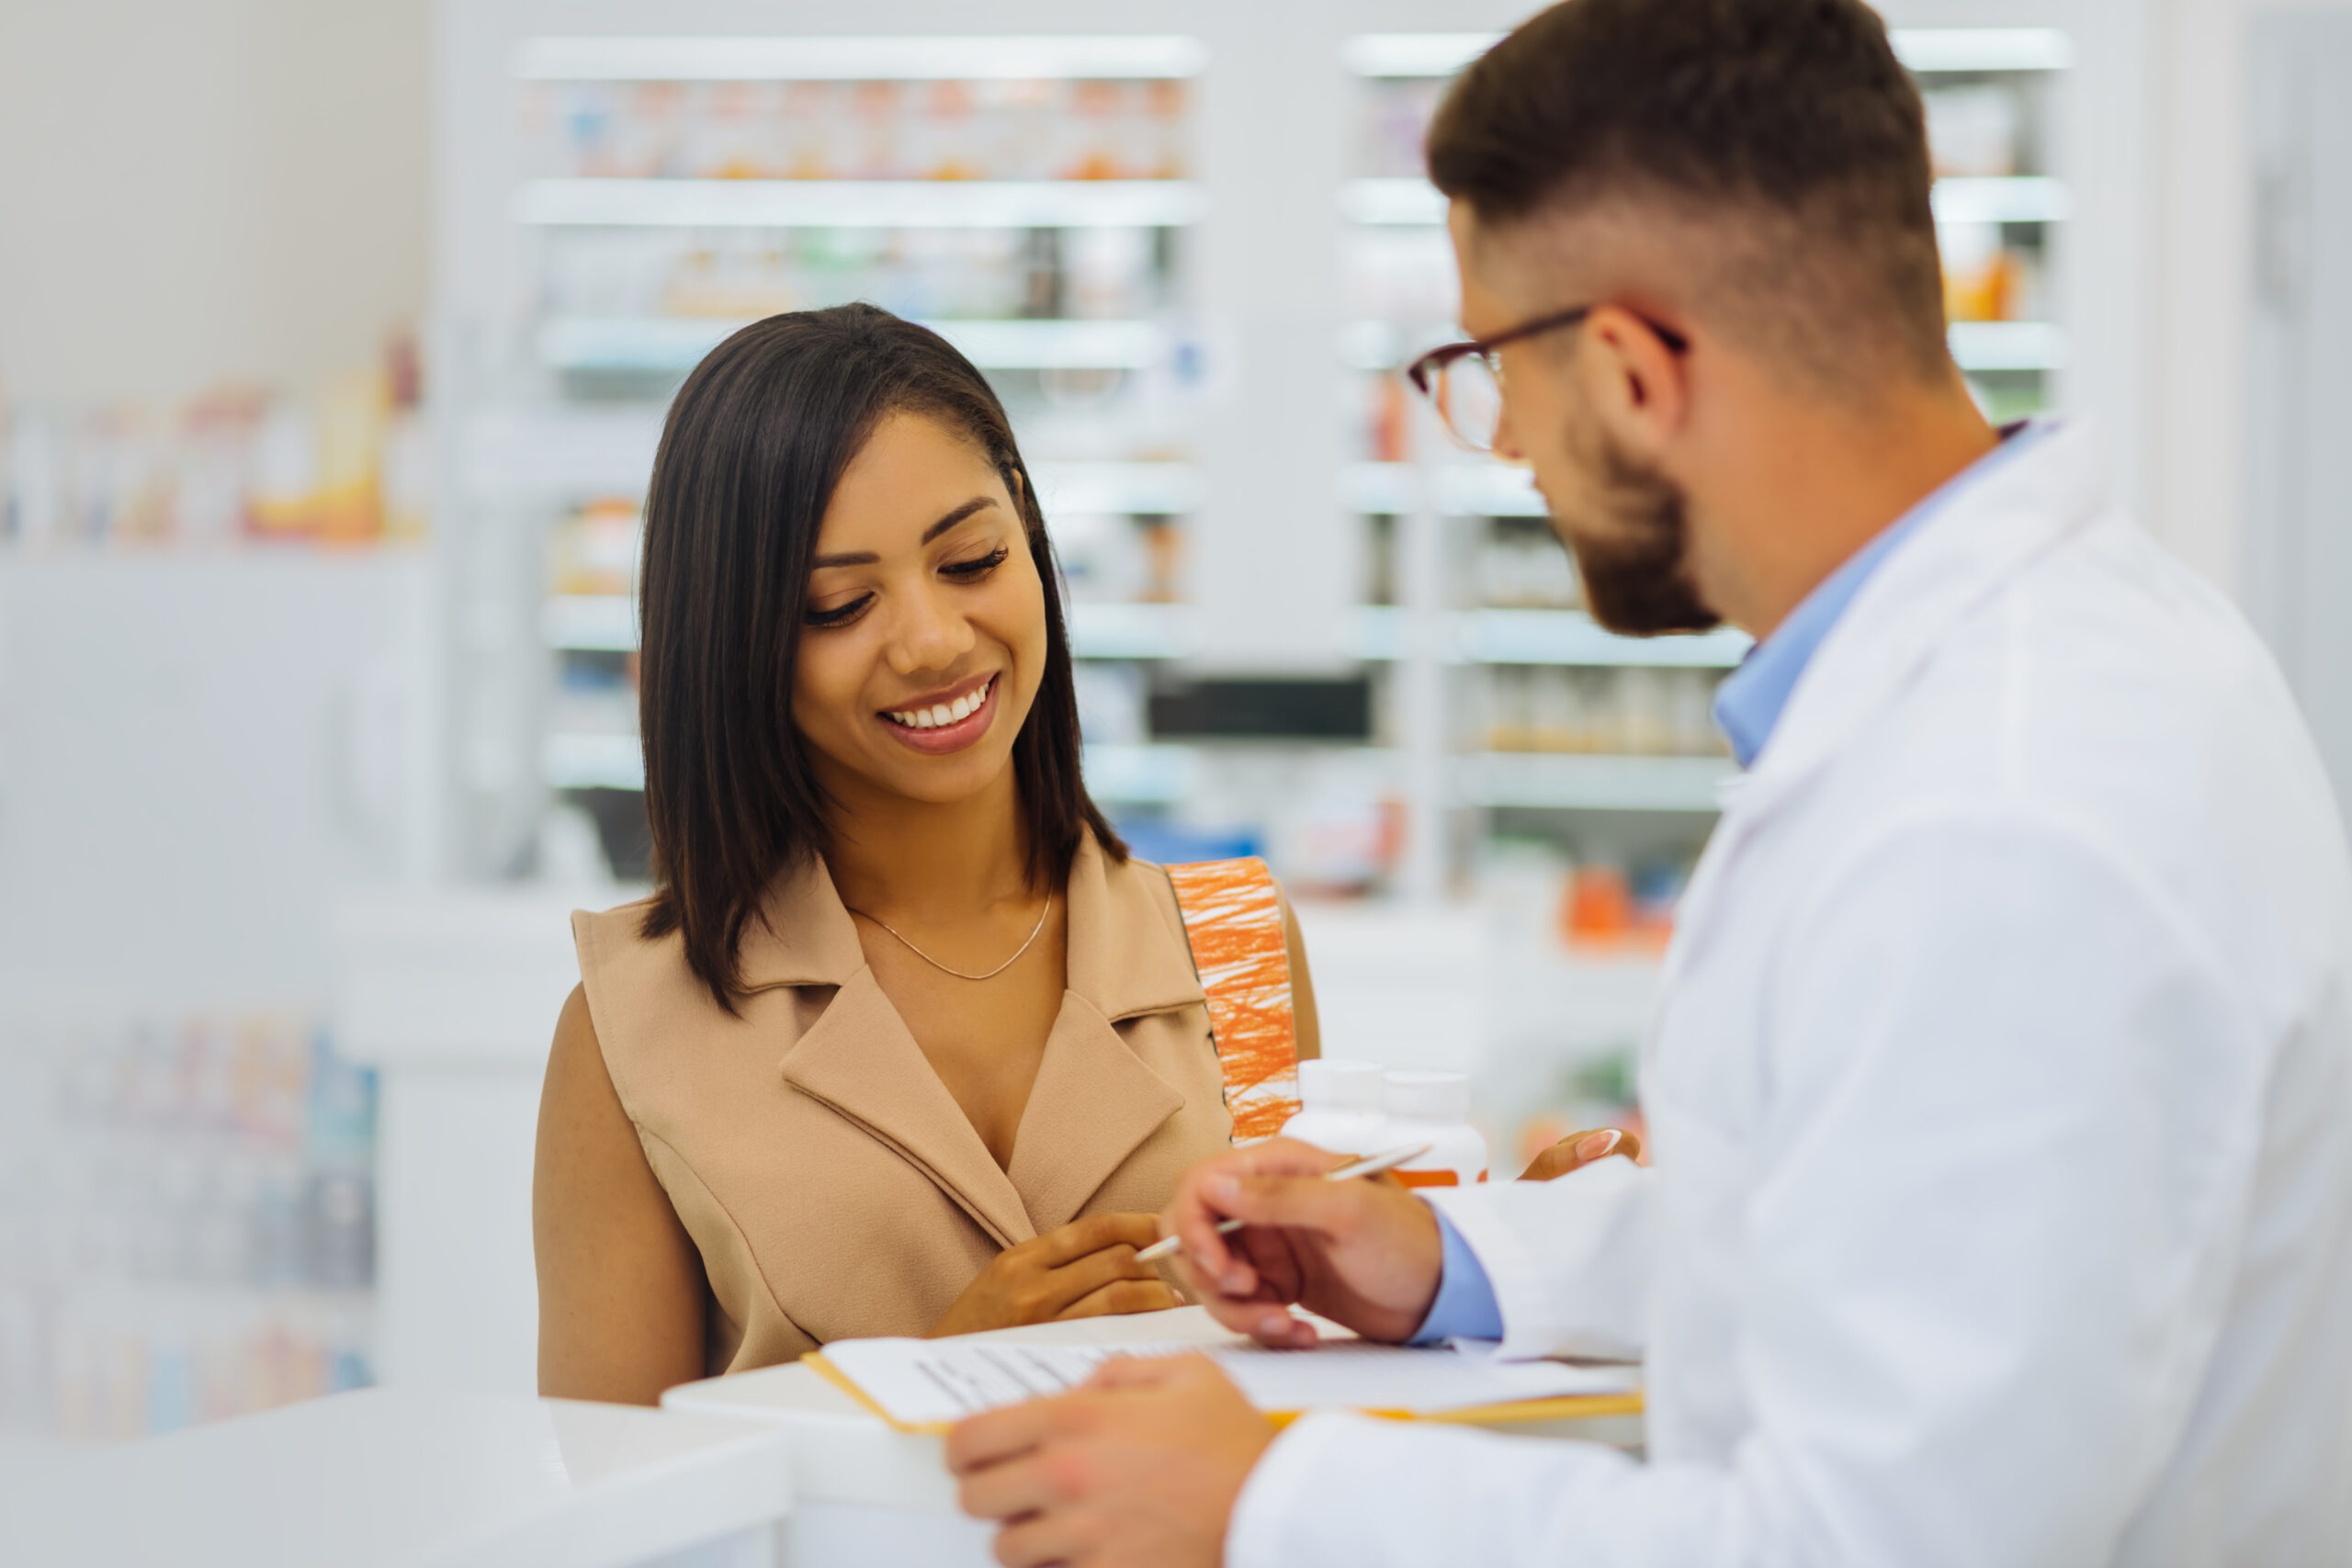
843,1452
866,1495
387,1478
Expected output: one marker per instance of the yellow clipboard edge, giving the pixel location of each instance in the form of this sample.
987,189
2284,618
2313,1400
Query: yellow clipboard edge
841,1379
1567,1407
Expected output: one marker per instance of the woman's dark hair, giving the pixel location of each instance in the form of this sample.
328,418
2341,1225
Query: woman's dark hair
755,441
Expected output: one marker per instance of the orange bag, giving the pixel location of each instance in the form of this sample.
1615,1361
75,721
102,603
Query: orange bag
1233,918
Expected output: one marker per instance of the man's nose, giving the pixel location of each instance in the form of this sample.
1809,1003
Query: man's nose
1506,439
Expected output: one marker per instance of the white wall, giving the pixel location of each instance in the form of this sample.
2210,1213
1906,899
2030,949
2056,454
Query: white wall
2200,251
199,191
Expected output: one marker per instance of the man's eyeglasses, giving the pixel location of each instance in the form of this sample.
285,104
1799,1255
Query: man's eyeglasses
1465,381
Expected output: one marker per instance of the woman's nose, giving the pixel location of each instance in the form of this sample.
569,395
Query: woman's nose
928,633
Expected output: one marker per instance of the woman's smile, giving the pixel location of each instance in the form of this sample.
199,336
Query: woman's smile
948,721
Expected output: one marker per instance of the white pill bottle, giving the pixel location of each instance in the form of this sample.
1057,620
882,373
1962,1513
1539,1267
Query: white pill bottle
1433,1109
1341,1103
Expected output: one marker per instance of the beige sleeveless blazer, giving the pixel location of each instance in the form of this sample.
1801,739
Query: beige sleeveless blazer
833,1186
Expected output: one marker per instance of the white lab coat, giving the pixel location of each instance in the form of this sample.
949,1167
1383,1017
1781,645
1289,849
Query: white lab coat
2001,1096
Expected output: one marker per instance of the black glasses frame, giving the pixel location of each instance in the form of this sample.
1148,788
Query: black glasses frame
1424,371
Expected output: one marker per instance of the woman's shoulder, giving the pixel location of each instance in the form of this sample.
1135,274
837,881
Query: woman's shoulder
638,985
614,941
1137,892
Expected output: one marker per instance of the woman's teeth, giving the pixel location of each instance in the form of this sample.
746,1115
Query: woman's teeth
940,714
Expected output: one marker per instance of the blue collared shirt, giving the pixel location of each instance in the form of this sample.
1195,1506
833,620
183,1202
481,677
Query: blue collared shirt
1465,1306
1752,699
1748,706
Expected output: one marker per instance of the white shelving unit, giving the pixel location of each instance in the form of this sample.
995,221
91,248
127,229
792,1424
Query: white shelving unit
674,345
1271,481
1271,496
859,204
1568,781
902,56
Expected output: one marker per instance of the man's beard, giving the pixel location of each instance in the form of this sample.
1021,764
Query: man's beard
1637,570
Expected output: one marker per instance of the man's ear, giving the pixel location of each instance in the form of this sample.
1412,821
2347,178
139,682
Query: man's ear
1637,383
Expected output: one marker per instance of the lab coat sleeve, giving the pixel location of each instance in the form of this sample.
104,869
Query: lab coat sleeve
2004,1150
1568,1259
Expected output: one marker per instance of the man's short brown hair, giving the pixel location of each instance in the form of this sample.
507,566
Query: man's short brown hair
1791,118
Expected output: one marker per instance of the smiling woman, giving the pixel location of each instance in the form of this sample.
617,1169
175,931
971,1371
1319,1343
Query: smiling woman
904,1042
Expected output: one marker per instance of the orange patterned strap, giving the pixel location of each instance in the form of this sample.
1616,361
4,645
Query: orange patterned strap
1233,918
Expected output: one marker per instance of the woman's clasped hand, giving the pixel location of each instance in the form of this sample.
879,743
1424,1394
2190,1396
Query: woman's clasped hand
1085,1268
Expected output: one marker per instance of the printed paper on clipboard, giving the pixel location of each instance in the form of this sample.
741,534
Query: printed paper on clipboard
927,1386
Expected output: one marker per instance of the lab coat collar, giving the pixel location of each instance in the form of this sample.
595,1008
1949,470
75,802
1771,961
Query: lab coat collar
1969,550
1965,553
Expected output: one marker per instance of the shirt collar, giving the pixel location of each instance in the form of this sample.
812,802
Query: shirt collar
1752,699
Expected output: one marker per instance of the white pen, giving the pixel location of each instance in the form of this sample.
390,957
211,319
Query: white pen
1370,1165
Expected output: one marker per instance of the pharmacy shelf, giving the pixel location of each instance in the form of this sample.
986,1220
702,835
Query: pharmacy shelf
1572,637
1130,490
1130,631
601,622
582,454
1166,774
1545,636
1413,54
591,762
2018,198
589,623
1141,775
1573,783
1128,775
1982,51
608,623
1463,490
860,204
1972,50
677,344
575,453
2008,345
1142,56
1392,202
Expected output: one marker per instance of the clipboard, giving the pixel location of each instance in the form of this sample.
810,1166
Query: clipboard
1566,1407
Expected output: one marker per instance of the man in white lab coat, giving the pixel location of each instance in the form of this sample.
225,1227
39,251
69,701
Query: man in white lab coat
2001,1088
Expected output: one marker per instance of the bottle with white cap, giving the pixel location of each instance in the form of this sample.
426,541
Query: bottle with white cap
1434,1108
1341,1106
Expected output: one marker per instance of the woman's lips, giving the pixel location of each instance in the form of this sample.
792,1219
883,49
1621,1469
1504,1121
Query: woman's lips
905,724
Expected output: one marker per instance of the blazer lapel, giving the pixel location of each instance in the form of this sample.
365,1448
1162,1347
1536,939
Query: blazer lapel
1092,1105
1094,1102
859,1060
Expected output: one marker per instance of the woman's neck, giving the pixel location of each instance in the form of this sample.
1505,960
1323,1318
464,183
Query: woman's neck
927,863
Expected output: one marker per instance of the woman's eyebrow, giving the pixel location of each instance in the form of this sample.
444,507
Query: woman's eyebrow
867,557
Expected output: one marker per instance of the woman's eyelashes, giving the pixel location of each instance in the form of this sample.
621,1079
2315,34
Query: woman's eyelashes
839,615
971,571
981,565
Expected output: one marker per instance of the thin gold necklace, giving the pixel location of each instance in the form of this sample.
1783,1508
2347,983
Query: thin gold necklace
943,969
